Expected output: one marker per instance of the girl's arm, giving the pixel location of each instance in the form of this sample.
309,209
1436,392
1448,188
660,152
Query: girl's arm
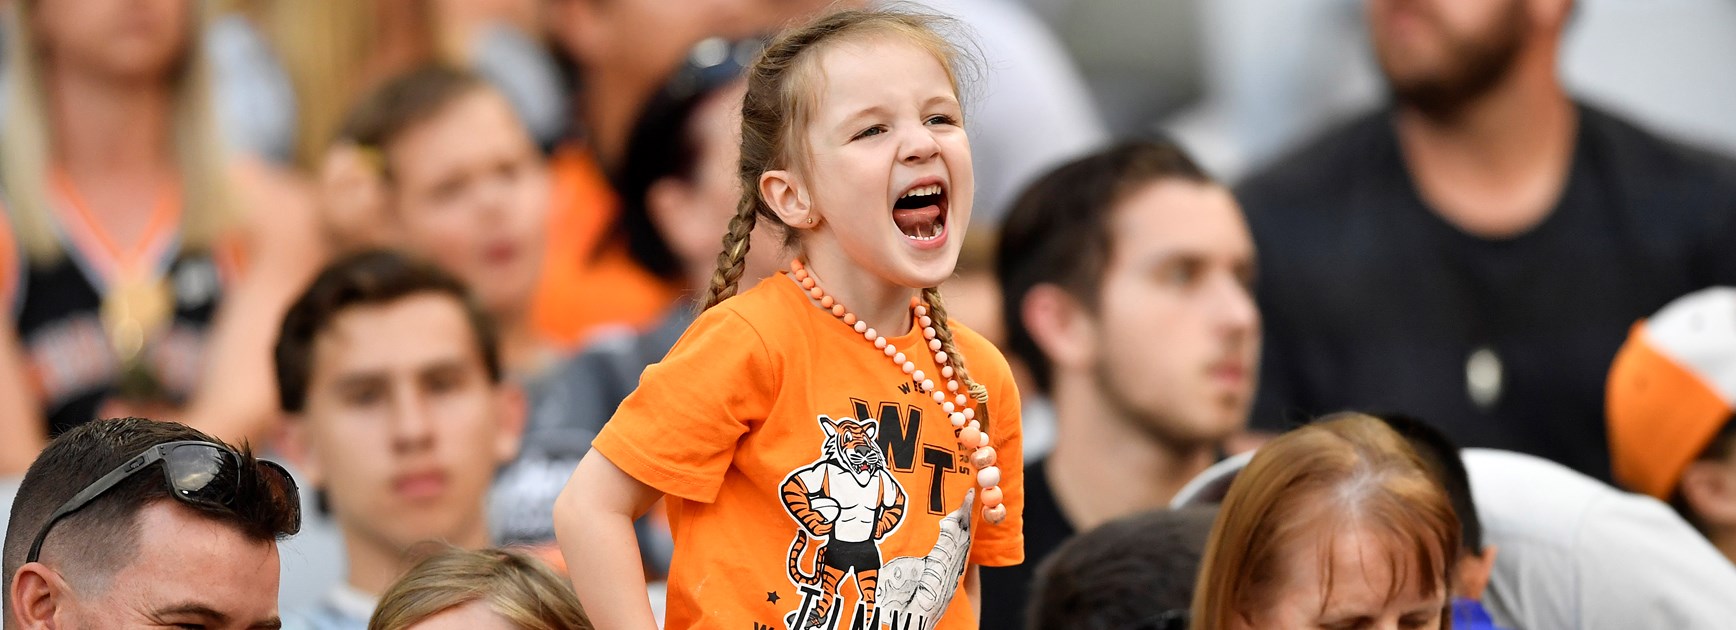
22,427
973,588
594,525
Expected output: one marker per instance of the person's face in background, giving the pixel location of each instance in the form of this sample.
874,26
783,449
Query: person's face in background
470,191
120,40
1439,53
641,37
692,213
185,571
402,428
1360,587
1174,340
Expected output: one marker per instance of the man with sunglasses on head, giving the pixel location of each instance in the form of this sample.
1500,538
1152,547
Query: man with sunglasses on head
390,377
133,523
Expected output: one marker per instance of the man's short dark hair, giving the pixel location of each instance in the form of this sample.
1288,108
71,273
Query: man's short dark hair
1441,456
370,278
403,102
1124,574
100,538
1059,231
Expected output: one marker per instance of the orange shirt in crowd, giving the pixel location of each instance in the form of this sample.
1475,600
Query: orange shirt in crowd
588,281
800,463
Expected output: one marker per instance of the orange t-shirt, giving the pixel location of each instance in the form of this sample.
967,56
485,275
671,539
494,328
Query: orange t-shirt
588,282
801,464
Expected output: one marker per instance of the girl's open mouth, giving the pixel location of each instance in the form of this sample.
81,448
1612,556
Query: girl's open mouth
920,212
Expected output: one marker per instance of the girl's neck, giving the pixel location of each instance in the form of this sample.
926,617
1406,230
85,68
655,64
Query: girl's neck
885,306
103,126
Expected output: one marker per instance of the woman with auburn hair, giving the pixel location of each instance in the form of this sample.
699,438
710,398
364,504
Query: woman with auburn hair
480,590
1334,525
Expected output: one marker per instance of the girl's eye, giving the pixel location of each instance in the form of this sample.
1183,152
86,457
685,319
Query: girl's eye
941,119
871,131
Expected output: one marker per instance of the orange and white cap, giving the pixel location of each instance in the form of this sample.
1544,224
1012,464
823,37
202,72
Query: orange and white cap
1671,389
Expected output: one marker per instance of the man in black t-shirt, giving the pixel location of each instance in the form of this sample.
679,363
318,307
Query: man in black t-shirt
1476,253
1125,281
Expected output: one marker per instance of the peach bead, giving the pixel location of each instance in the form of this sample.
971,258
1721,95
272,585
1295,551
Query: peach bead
871,334
968,435
927,384
816,292
962,401
916,302
952,386
938,397
940,357
995,515
992,497
861,326
957,420
889,350
928,333
926,321
989,477
909,367
969,413
948,407
946,372
850,319
808,283
796,264
921,310
934,344
827,302
983,457
918,376
974,425
900,358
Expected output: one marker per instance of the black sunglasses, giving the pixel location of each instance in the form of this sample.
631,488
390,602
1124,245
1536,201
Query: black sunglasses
192,469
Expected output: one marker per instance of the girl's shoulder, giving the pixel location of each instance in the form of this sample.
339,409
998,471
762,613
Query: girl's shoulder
773,305
985,361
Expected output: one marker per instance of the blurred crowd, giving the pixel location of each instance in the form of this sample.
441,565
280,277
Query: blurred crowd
420,251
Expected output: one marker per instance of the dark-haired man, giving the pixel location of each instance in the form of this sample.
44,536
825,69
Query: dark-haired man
1476,253
390,377
1125,275
133,523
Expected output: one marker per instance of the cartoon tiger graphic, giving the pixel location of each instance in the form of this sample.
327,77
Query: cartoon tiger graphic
851,500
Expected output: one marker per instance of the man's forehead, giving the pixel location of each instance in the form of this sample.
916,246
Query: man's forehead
416,330
185,562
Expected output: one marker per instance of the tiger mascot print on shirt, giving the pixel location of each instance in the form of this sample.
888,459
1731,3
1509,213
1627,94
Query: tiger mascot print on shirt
852,501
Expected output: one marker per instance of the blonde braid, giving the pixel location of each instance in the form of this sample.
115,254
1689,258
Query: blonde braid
943,332
733,259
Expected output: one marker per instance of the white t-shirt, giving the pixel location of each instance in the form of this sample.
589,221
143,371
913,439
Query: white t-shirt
1573,552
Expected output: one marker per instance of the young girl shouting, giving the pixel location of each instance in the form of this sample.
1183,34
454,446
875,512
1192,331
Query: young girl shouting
821,473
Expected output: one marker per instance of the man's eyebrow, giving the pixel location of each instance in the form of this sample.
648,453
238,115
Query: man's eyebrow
273,623
204,613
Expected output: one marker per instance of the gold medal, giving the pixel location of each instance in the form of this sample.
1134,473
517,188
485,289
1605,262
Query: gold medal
132,313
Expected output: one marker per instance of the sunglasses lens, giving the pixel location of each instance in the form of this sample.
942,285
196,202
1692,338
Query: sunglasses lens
283,491
202,472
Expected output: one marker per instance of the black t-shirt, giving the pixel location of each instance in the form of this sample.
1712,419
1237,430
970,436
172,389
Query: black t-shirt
1006,590
1373,302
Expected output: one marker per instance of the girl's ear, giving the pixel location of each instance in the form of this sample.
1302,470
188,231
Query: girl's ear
788,199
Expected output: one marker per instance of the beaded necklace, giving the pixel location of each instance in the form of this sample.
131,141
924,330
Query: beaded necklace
969,432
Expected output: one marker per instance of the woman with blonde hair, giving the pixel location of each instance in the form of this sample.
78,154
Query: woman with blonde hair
134,284
1334,525
480,590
